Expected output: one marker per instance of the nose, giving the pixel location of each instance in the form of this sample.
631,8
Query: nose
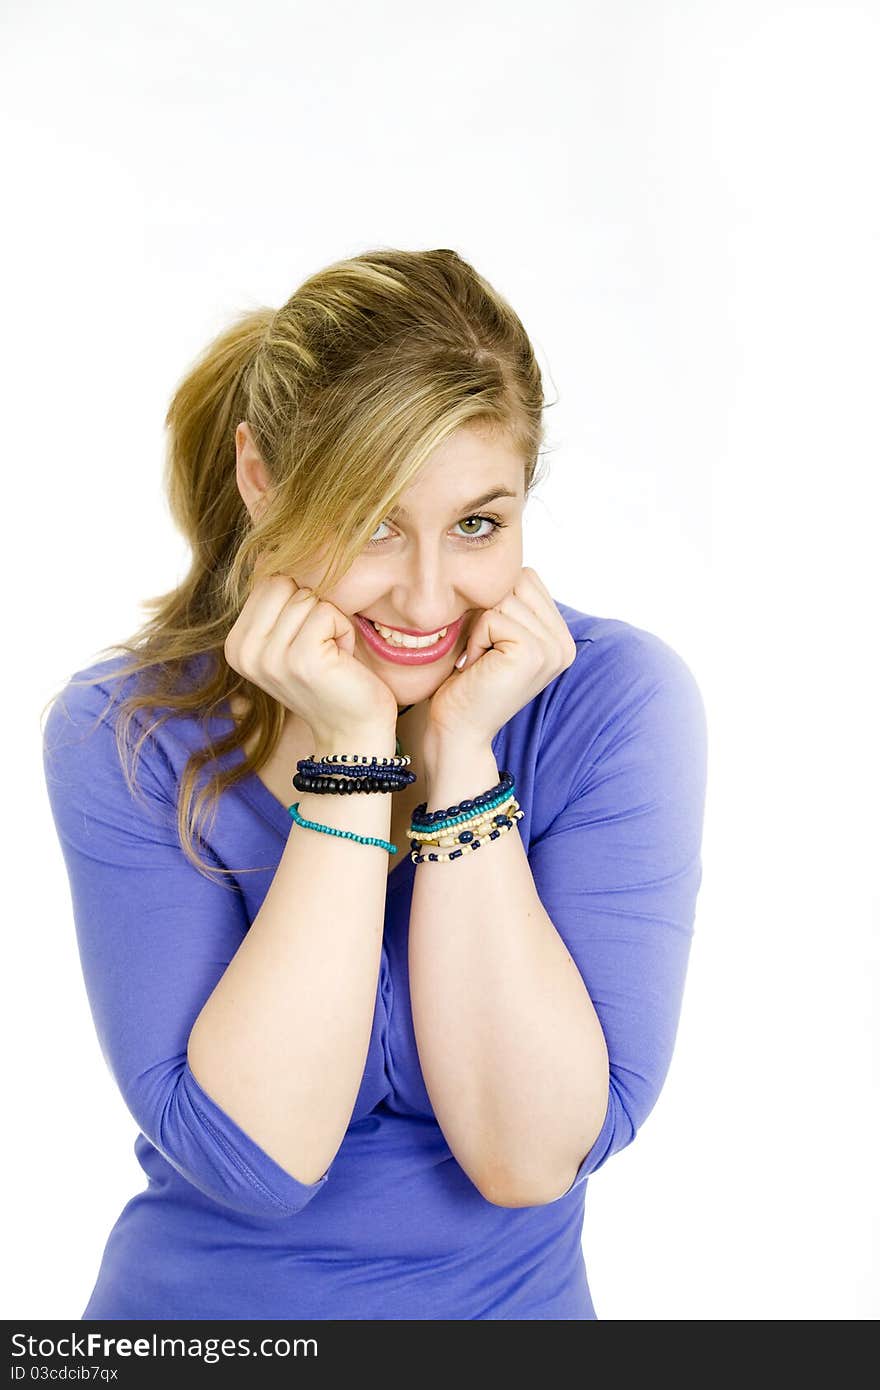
426,597
424,608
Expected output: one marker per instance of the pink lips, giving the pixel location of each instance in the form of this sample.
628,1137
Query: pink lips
408,656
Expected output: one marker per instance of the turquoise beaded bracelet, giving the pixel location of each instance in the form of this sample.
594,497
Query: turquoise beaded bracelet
344,834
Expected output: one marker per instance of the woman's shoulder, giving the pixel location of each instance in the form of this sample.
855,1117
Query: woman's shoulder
624,679
83,698
612,653
104,683
82,722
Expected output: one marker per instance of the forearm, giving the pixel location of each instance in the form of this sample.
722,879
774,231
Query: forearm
511,1049
282,1041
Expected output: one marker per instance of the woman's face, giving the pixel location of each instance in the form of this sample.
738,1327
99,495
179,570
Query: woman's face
448,553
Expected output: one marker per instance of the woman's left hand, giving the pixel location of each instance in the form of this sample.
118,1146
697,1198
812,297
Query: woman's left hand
513,651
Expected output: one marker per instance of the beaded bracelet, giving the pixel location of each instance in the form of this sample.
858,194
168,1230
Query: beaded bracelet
344,834
365,774
355,763
496,807
423,819
466,844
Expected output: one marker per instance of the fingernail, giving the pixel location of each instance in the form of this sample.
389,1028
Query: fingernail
461,660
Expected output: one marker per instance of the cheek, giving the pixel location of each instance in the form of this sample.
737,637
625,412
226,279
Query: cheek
505,573
348,597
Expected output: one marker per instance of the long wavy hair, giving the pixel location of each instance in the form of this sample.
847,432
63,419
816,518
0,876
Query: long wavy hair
347,388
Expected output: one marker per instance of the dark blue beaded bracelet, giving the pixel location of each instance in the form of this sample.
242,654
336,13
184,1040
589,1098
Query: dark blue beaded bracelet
360,774
356,774
345,785
423,820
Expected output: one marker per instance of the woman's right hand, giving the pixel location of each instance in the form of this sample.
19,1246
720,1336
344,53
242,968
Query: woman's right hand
300,650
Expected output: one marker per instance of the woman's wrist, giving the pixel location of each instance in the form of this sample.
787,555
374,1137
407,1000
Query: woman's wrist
369,740
458,771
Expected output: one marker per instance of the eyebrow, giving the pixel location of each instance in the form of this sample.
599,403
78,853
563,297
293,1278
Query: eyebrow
468,507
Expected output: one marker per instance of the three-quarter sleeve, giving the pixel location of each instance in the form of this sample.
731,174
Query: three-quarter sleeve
154,937
618,869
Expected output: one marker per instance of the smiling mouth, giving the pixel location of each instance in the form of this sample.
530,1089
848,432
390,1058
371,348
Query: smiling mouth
410,631
407,649
406,637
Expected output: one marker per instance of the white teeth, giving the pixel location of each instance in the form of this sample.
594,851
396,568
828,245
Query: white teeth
403,639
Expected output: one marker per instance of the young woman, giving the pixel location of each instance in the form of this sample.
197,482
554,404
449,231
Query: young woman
378,1018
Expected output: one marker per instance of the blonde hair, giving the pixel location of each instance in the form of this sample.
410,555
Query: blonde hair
347,388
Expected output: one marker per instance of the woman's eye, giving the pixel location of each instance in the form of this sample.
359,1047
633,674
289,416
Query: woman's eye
381,538
495,524
476,535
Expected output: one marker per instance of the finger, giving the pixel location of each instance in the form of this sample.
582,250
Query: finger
318,620
536,622
492,628
530,581
530,586
532,578
261,609
290,619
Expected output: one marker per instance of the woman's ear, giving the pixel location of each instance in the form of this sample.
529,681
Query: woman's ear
251,473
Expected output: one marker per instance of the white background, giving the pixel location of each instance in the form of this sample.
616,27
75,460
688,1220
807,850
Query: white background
681,202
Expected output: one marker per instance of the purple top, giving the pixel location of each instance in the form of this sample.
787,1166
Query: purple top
610,768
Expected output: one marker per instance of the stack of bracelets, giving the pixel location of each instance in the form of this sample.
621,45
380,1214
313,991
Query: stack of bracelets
440,835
